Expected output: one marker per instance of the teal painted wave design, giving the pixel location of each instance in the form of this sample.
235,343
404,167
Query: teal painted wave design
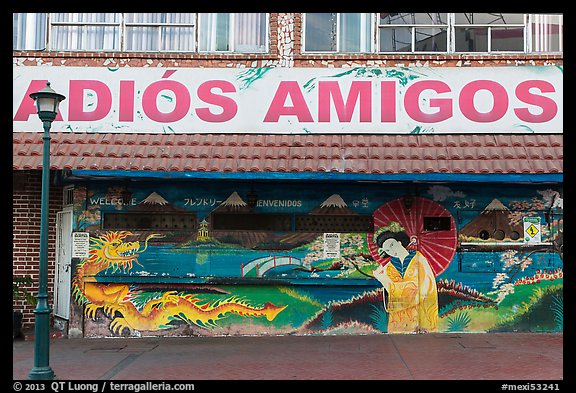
251,75
402,74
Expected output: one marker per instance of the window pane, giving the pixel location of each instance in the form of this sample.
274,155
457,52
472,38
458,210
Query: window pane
511,19
547,33
180,17
142,38
250,32
153,38
483,19
431,40
471,39
355,32
87,18
146,17
320,32
396,39
28,31
86,38
177,38
214,32
413,18
507,39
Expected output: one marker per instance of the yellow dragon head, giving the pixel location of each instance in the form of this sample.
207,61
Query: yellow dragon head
111,251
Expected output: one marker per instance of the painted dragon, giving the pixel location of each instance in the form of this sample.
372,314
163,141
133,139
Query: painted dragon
111,251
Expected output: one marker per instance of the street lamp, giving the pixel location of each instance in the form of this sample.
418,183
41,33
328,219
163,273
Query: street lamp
47,101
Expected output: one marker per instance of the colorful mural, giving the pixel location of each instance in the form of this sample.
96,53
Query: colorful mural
205,259
146,311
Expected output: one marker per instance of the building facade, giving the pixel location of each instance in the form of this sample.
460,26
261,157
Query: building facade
289,173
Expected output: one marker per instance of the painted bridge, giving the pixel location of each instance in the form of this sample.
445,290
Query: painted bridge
257,267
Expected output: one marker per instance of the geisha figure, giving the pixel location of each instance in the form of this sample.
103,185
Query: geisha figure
409,282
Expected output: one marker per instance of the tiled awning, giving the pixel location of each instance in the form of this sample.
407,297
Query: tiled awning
501,154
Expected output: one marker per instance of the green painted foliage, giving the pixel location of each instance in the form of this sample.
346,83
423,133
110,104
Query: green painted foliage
558,310
459,322
380,318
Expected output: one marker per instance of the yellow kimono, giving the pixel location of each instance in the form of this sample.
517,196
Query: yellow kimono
412,297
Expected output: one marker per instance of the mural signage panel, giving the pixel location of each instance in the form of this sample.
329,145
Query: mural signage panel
390,100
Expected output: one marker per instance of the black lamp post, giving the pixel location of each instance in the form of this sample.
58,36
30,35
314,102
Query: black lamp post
47,101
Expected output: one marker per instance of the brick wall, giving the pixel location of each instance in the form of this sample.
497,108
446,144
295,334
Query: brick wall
26,197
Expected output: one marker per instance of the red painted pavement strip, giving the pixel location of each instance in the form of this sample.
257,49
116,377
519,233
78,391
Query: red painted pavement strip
442,356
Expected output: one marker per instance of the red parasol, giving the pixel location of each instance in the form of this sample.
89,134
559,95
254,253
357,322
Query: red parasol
439,246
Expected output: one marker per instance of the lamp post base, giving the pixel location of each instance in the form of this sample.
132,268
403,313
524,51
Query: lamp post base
41,369
41,373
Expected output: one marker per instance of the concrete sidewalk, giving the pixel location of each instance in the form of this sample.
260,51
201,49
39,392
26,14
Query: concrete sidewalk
490,356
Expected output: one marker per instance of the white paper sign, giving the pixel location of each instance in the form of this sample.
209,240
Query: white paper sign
80,244
331,245
532,230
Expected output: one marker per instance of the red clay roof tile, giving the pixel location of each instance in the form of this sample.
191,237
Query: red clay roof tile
374,153
308,165
558,152
424,153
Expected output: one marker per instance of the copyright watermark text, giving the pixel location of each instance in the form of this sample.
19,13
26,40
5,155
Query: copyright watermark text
531,386
100,387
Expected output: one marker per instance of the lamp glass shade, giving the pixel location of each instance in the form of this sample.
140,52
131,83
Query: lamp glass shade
47,104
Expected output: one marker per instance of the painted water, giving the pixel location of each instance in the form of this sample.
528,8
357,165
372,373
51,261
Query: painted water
192,265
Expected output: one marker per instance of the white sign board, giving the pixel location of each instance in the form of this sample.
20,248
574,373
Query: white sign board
532,230
331,245
388,100
80,244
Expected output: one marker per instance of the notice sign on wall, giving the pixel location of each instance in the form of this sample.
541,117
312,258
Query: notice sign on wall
532,230
80,244
331,245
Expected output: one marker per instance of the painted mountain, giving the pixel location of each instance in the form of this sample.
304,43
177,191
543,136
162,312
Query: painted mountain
241,238
333,205
494,223
156,203
160,216
234,203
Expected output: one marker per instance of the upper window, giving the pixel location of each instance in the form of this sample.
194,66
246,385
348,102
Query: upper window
160,32
412,32
546,33
141,32
480,32
29,31
432,32
225,32
85,31
338,32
